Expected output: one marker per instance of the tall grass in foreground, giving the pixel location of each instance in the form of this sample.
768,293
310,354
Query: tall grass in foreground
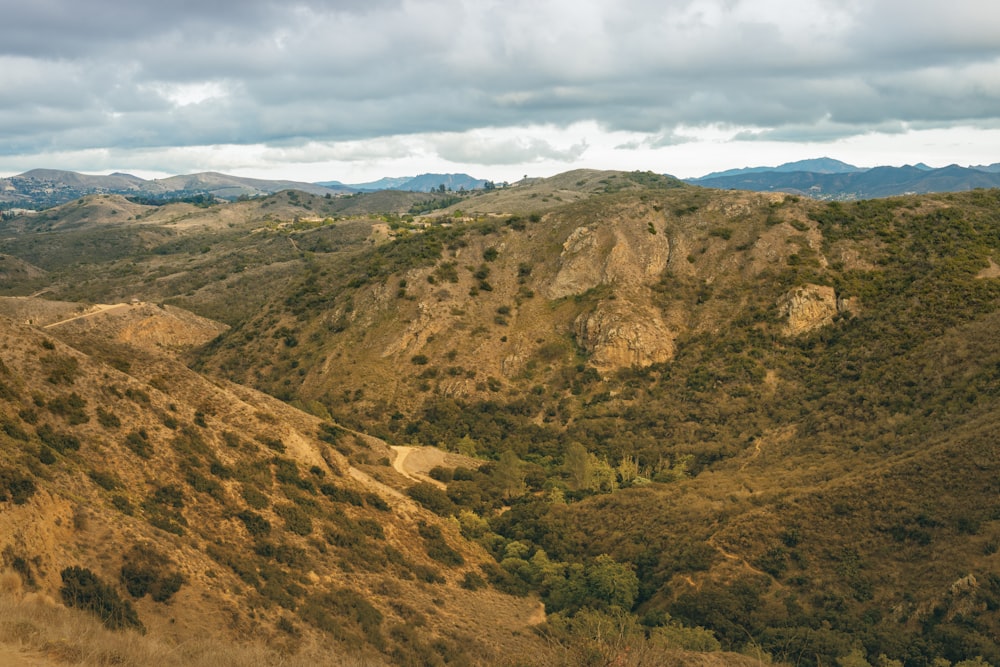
42,628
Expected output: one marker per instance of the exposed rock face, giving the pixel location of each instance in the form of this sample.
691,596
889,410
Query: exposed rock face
624,252
621,333
808,307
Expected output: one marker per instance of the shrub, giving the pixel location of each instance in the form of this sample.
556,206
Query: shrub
255,524
145,570
254,497
108,419
62,370
472,581
14,430
163,507
106,480
58,440
83,589
274,444
328,611
432,498
296,519
138,442
436,546
441,474
70,407
375,501
339,494
16,486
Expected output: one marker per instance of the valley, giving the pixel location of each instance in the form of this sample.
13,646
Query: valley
600,418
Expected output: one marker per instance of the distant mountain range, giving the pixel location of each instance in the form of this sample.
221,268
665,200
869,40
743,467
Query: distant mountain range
823,165
820,178
826,178
422,183
44,188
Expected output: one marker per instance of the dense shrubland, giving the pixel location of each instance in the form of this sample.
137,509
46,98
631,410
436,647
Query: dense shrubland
822,498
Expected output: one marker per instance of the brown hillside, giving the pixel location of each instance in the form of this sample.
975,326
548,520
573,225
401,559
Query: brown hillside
97,462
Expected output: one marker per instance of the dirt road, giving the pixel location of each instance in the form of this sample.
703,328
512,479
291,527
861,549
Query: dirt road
101,308
415,462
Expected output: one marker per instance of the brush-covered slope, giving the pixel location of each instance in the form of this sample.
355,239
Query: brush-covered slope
801,399
159,499
769,417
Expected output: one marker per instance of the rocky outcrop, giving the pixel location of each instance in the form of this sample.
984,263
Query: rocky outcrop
623,252
621,333
810,307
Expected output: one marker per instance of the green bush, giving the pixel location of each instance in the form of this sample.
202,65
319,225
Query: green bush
375,501
106,480
339,494
343,610
254,497
432,498
14,430
61,370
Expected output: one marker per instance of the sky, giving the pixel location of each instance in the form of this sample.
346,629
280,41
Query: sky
354,90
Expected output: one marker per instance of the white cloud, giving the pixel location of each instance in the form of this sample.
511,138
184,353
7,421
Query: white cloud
483,82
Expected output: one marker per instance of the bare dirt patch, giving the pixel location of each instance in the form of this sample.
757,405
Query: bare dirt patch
416,462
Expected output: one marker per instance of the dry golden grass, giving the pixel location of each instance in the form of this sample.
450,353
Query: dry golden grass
34,631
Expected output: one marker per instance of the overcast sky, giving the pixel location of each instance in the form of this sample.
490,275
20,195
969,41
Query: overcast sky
352,90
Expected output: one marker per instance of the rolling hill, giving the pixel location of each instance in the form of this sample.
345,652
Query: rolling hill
45,188
422,183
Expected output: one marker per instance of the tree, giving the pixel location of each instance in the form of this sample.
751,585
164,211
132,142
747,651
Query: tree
612,584
576,465
509,475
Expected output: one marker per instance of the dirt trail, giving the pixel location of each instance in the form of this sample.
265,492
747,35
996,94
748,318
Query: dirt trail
415,462
101,308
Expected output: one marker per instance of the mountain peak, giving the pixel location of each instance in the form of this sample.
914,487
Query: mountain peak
821,165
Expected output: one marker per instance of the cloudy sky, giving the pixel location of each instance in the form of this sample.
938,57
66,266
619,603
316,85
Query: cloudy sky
352,90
